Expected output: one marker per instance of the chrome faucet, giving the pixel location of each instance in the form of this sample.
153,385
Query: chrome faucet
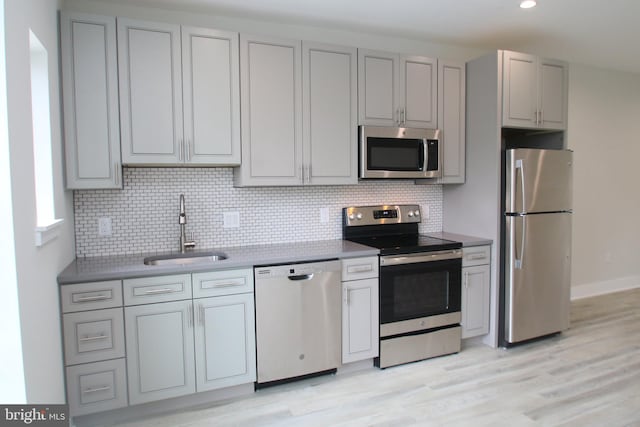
182,220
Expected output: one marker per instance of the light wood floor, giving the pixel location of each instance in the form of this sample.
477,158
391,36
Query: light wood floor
586,376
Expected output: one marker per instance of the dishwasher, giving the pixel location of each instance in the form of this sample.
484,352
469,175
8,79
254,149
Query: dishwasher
298,320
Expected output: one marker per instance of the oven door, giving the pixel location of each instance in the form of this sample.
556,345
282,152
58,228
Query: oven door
416,286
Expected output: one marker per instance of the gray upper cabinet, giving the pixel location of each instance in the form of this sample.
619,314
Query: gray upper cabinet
534,92
298,113
90,101
451,120
150,92
330,146
397,90
179,94
271,112
211,96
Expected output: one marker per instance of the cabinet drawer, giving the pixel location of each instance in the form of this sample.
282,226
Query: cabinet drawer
147,290
91,296
476,255
93,335
225,282
96,387
359,268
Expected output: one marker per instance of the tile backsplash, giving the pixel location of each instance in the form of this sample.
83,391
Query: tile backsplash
144,215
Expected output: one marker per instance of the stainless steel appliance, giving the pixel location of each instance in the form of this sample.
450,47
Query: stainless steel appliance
420,283
298,320
391,152
537,241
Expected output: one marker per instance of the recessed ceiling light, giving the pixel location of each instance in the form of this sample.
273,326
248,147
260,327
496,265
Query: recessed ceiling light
527,4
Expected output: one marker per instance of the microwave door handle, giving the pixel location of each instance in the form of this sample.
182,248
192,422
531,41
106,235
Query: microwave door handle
425,155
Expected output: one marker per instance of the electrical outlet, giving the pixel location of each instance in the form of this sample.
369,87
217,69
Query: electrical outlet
425,212
104,226
324,215
231,220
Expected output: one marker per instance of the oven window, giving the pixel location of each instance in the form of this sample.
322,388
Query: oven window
395,154
412,291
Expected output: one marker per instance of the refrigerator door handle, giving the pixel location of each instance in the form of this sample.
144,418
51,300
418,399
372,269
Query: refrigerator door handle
520,167
518,261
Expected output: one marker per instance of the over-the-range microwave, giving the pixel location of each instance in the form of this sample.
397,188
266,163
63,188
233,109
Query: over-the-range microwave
406,153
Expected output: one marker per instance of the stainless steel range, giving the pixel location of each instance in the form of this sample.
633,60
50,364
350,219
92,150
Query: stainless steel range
420,283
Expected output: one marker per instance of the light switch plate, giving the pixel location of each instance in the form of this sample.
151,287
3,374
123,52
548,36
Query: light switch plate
231,219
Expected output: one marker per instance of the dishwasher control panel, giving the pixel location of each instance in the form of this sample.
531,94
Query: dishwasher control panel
289,270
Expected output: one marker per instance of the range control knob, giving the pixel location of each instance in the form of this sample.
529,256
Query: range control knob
352,217
359,215
417,212
410,214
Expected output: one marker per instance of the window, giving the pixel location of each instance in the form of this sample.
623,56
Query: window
42,166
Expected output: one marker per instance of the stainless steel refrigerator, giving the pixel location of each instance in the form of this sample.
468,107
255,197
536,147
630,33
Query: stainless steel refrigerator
537,236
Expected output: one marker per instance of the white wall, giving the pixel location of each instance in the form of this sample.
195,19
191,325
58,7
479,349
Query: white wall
12,388
36,268
604,131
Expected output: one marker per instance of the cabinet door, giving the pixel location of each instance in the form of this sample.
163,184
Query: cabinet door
378,88
552,84
419,92
330,147
90,98
451,120
211,94
160,357
271,112
519,90
150,92
475,301
225,341
360,329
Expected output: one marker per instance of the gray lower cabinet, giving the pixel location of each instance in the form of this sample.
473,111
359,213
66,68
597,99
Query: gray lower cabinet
177,345
225,328
176,335
476,274
360,322
160,352
94,347
225,341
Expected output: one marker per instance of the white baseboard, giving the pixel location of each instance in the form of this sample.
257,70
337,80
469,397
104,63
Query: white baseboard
606,287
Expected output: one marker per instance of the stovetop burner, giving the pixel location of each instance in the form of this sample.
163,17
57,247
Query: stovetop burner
406,244
391,228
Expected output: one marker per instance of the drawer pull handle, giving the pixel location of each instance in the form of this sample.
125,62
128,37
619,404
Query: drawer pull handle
228,284
93,298
476,256
94,338
359,268
160,291
97,389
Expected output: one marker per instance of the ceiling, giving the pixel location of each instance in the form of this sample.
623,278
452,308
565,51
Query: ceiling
594,32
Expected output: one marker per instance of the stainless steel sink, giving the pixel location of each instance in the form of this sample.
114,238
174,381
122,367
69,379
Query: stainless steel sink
187,258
